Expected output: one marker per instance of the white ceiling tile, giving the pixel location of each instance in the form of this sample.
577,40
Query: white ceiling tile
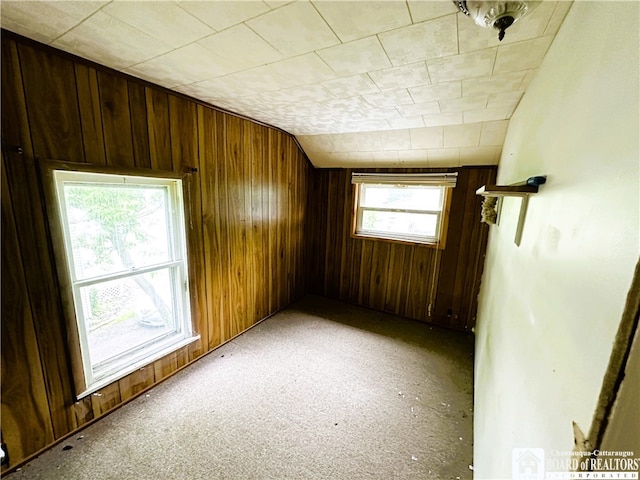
221,14
351,20
432,93
426,108
560,12
462,104
385,158
401,77
255,80
294,29
458,67
360,156
426,137
305,94
462,135
350,86
395,139
441,119
165,21
45,21
505,82
385,113
443,157
480,156
486,115
389,98
185,65
241,47
408,163
426,40
413,155
528,77
315,143
472,37
406,122
354,57
493,133
111,42
315,70
508,101
427,10
523,55
344,142
362,125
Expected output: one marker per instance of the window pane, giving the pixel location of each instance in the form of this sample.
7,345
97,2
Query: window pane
401,197
400,223
123,314
115,228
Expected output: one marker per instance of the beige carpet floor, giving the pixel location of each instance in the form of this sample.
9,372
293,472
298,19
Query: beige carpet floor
322,390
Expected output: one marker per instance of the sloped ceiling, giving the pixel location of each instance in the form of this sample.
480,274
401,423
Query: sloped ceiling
359,83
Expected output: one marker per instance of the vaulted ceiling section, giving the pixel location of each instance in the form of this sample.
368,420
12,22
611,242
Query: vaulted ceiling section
359,83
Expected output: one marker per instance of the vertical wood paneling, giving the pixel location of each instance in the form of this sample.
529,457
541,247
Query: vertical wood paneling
237,223
394,277
247,210
26,420
30,224
183,120
90,116
139,129
106,399
116,120
258,190
249,244
212,232
159,131
50,92
136,382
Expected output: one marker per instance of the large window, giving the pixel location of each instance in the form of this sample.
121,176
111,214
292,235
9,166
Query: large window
125,251
402,207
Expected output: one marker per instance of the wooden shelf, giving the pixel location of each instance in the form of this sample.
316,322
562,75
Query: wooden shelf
506,190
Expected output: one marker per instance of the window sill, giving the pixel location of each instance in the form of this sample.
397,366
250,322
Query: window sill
440,246
103,382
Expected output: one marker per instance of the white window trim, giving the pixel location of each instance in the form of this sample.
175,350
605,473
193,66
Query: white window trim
445,181
177,267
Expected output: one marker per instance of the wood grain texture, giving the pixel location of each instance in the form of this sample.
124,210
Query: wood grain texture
159,130
246,209
52,104
139,128
30,222
26,420
90,114
428,284
116,120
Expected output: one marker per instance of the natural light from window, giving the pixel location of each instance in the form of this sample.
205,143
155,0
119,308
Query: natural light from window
401,208
126,254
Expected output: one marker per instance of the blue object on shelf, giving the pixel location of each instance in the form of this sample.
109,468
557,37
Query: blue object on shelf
536,181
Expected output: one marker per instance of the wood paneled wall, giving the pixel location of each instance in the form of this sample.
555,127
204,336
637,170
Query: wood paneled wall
393,277
245,237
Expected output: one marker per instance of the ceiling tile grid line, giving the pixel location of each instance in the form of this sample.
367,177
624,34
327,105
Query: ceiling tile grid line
392,70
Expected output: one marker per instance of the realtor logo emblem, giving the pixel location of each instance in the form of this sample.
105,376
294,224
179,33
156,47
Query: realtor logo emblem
527,464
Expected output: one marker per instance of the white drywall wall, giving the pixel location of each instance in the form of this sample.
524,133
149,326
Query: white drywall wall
549,309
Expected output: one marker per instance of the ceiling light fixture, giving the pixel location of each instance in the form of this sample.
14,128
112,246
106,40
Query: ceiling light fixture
496,14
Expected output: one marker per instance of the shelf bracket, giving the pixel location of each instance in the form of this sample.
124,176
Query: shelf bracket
522,190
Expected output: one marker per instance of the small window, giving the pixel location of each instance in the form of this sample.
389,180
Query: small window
125,249
402,207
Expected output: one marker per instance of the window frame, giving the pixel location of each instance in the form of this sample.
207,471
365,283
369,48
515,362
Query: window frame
85,382
404,180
